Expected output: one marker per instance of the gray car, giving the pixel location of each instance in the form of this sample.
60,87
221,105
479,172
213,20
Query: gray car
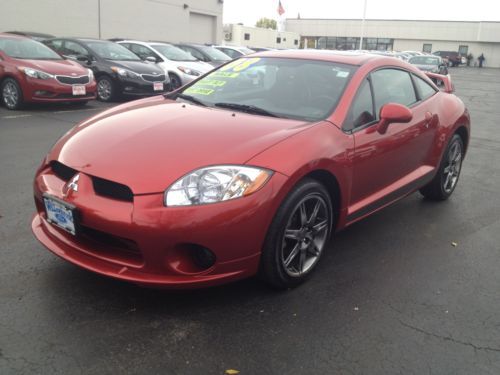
429,63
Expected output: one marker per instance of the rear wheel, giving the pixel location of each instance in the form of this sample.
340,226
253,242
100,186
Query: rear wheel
446,179
297,236
12,95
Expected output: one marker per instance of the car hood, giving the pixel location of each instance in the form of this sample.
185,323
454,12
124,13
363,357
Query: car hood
137,66
200,66
56,67
149,144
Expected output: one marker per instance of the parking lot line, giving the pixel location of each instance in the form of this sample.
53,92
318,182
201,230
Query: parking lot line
16,116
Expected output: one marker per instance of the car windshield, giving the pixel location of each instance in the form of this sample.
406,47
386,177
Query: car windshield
424,60
111,51
214,53
245,50
279,87
173,53
27,49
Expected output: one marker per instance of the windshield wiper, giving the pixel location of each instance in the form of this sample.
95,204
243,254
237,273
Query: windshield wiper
190,98
246,108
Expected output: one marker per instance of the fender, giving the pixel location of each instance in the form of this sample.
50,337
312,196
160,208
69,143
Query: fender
327,149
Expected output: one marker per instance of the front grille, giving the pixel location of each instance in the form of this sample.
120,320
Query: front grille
117,248
112,189
102,187
152,78
62,171
67,80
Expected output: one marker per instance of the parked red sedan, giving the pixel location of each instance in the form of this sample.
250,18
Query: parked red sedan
247,170
32,72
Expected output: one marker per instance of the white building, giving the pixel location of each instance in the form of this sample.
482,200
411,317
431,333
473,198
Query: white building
400,35
236,34
170,20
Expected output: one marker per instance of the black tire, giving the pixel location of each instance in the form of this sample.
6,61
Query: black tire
175,81
292,232
106,89
446,179
11,94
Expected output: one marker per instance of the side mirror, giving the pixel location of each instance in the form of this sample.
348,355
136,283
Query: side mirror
83,58
150,59
393,112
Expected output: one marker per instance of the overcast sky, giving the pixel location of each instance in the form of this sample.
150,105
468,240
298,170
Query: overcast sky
249,11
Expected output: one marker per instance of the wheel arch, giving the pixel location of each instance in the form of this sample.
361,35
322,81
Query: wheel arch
464,134
327,179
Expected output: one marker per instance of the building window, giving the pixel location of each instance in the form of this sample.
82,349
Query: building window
284,39
427,48
463,50
296,42
278,40
247,36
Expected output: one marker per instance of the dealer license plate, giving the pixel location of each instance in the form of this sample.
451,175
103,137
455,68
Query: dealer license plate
60,214
78,90
158,86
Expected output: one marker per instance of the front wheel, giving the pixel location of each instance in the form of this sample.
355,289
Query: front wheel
12,95
297,236
175,81
105,89
446,179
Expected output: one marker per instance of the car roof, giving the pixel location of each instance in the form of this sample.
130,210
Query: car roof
30,34
343,57
13,36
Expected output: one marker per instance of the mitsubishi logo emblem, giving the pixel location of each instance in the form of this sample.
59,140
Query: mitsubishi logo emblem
73,184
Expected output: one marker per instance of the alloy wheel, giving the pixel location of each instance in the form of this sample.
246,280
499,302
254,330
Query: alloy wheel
104,89
305,235
10,95
452,169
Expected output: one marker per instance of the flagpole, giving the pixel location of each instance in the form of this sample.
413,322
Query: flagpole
362,27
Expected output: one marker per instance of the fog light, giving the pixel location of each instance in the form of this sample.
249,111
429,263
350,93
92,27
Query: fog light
43,93
202,257
129,88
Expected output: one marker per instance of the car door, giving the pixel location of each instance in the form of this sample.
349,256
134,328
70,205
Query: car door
387,164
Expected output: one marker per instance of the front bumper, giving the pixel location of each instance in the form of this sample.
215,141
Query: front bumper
158,238
140,87
50,90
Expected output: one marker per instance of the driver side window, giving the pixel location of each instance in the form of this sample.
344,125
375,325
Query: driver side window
143,52
361,112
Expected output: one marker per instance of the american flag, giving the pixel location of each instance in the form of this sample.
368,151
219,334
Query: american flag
281,10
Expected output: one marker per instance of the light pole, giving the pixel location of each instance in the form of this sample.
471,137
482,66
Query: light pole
99,17
362,27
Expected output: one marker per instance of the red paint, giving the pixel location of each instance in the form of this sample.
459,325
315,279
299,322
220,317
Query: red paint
150,143
58,92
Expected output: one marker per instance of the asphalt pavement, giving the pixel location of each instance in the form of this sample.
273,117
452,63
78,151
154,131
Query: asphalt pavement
413,289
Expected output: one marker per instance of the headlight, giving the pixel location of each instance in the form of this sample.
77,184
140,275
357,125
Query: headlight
216,184
91,75
36,73
125,73
189,71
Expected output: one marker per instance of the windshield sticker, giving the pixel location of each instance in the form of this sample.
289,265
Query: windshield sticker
342,74
241,64
198,90
223,74
212,82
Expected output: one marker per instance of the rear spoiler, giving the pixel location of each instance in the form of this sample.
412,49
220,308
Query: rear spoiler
449,87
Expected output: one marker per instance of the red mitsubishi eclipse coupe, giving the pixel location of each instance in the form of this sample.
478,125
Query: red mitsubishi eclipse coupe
32,72
249,169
